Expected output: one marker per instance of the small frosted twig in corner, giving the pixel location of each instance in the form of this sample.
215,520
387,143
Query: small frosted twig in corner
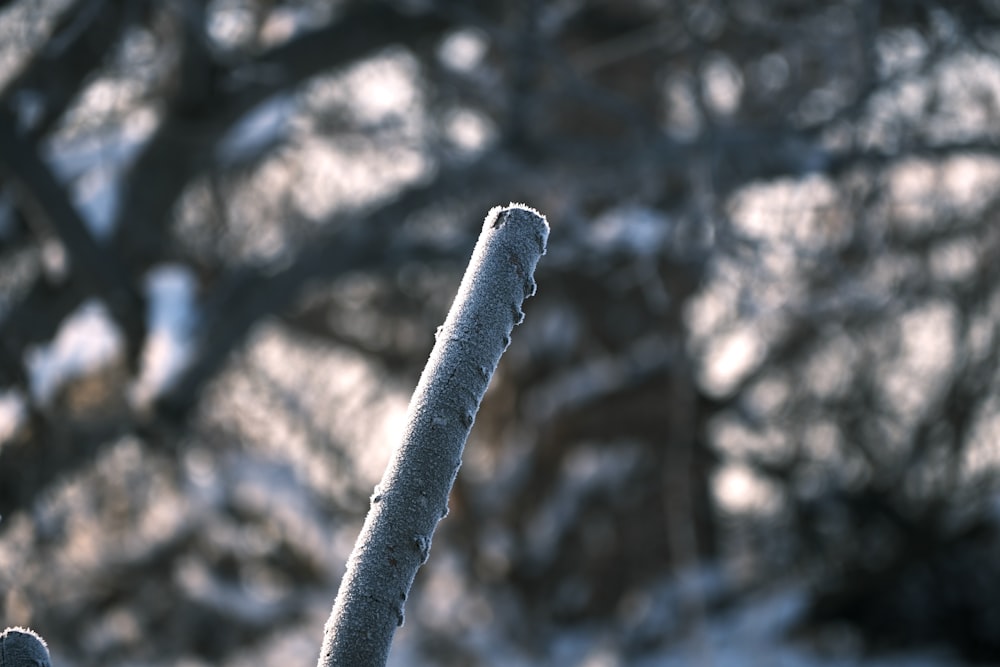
413,494
20,647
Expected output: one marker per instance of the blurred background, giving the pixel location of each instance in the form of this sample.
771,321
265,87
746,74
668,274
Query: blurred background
752,416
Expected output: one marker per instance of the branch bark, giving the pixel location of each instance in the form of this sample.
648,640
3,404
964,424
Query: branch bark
100,271
413,494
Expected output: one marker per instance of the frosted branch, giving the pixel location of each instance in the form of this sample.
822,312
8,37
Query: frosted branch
413,494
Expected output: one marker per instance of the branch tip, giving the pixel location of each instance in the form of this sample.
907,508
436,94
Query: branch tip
499,215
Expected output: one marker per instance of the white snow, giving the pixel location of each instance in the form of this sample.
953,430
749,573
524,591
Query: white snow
463,50
262,127
172,316
91,166
86,340
635,229
12,414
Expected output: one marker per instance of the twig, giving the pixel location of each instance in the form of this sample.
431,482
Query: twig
413,494
20,647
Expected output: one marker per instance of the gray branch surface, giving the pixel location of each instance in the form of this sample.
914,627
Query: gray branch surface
413,494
